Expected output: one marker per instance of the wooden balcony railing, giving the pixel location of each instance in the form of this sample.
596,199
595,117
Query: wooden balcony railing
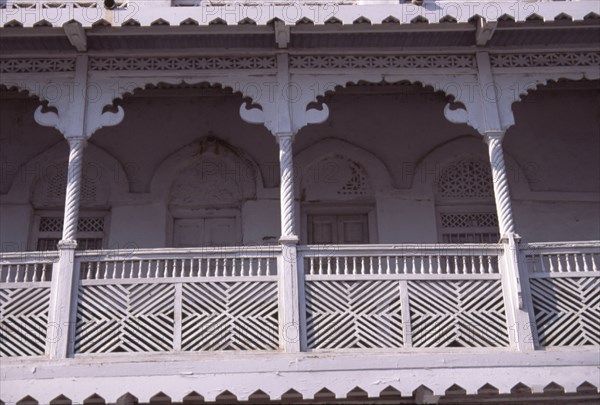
401,297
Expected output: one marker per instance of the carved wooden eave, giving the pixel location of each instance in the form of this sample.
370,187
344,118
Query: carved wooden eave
260,13
406,26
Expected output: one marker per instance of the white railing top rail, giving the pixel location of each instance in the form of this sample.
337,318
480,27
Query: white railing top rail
176,253
28,257
561,247
403,249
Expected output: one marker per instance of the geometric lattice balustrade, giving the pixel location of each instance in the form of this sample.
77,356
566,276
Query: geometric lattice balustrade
565,288
353,314
409,297
200,301
567,310
24,305
230,316
125,318
458,313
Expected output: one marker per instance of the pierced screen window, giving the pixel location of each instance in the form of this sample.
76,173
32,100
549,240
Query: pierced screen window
338,229
465,203
479,227
90,232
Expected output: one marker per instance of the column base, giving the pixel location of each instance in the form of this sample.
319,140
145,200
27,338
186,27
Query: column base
506,238
289,240
65,244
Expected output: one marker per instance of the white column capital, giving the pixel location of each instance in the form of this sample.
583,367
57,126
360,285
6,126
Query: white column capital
284,135
75,141
493,135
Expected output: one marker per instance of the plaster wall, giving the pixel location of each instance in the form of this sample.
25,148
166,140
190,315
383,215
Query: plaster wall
14,227
133,226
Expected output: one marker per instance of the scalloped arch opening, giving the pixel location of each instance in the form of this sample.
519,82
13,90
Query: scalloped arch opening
403,86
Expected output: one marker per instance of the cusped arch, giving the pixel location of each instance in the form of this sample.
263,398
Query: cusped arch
436,163
356,171
207,172
42,180
247,88
452,89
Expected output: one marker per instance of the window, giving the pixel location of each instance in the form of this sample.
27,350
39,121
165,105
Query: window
49,225
471,227
338,202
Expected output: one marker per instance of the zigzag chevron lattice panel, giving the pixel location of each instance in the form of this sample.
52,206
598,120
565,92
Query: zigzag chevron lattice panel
230,316
462,313
567,310
353,314
23,321
125,318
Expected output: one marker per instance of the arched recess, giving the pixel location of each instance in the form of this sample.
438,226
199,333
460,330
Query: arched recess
42,183
457,175
337,184
204,186
22,139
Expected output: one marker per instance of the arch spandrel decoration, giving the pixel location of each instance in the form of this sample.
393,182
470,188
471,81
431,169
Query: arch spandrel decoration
335,177
209,181
214,175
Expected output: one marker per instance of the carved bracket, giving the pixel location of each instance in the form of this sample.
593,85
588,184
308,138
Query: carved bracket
284,107
509,88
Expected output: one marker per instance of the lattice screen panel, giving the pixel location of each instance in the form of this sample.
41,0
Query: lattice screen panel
567,310
353,314
84,224
461,313
469,220
230,316
466,178
23,321
56,186
125,318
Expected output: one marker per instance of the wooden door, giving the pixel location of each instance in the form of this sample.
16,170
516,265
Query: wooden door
338,229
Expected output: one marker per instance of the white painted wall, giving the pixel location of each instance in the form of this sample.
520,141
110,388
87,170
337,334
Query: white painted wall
14,228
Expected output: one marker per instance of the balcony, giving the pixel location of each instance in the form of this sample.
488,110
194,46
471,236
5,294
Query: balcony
379,304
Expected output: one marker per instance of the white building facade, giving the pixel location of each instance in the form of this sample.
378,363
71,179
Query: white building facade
290,201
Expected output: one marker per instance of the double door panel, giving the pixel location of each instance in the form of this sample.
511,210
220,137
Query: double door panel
199,232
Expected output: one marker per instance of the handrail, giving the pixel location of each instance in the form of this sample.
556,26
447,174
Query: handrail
332,250
29,257
179,252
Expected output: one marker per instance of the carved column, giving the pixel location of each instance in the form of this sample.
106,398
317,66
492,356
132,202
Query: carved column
73,193
287,197
65,275
289,310
515,282
500,180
